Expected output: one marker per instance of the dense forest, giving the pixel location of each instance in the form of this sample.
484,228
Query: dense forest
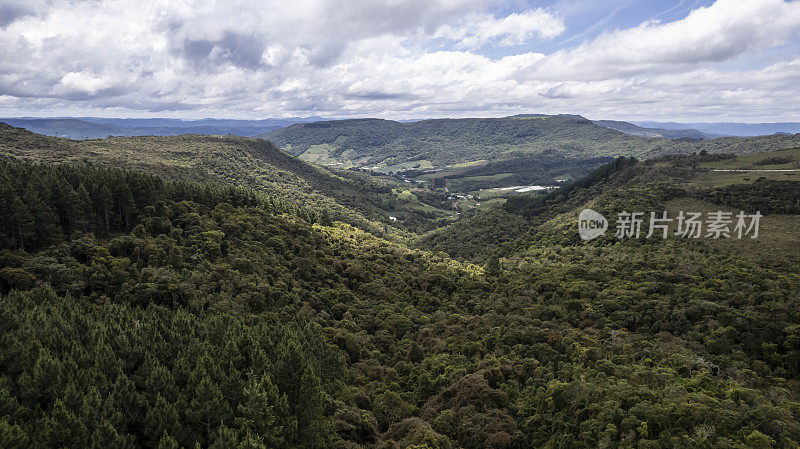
140,310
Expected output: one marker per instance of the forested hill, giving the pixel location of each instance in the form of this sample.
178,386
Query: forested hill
445,141
364,142
247,162
138,312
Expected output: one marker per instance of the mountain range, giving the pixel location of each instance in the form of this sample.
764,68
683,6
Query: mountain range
728,128
655,131
98,128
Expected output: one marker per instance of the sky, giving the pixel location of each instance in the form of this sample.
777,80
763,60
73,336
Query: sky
683,60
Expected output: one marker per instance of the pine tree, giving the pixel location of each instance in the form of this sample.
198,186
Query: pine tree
45,223
22,224
84,212
224,438
12,435
162,418
105,436
61,428
167,442
264,411
127,208
251,441
314,428
105,206
208,408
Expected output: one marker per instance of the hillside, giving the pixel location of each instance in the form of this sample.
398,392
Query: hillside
391,146
768,182
248,162
143,312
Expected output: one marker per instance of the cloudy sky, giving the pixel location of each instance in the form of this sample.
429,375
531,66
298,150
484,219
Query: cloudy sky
683,60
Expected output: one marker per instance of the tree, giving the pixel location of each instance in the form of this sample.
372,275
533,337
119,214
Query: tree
224,438
105,436
492,268
415,353
758,440
22,223
207,406
162,418
264,412
167,442
251,441
83,210
313,427
61,428
12,435
325,218
105,204
45,223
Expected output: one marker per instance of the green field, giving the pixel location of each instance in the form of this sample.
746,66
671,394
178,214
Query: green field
324,155
707,177
778,238
423,164
496,177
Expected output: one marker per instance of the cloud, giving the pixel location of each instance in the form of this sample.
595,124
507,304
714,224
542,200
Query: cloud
514,29
83,84
720,32
239,50
13,10
403,59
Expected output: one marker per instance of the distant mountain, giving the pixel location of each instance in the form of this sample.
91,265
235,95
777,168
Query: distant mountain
272,123
575,116
69,128
729,128
641,131
438,142
97,128
391,146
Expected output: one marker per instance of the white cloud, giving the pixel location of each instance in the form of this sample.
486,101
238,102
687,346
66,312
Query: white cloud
720,32
514,29
318,57
83,83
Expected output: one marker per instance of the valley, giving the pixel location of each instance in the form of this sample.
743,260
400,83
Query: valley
475,318
449,175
